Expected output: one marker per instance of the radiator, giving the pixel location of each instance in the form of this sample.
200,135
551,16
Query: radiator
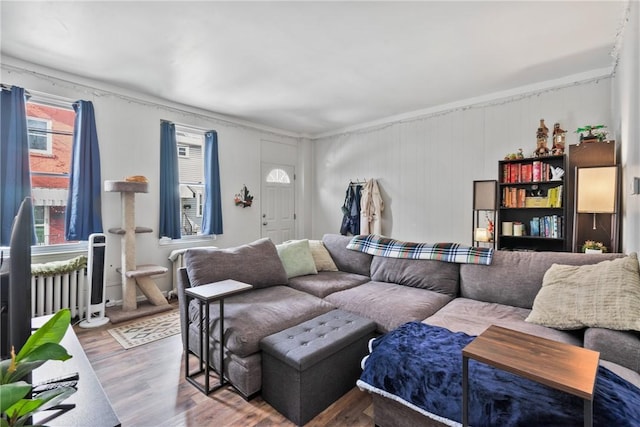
52,293
177,259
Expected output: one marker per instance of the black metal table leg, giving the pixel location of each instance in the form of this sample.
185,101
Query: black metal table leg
465,386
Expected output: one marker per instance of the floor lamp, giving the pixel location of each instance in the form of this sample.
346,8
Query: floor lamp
597,193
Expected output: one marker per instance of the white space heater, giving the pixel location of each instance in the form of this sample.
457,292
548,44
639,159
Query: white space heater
96,281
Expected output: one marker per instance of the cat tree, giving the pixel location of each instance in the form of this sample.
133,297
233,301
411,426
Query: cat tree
134,276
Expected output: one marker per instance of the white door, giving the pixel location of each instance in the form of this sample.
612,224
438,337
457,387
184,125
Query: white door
278,204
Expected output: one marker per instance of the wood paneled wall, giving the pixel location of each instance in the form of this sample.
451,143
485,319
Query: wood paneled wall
425,166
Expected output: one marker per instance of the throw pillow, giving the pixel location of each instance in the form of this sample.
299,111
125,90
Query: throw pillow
256,263
296,258
604,295
321,256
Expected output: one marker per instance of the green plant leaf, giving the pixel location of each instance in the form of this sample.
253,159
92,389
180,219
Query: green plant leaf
10,394
46,351
21,371
50,332
25,408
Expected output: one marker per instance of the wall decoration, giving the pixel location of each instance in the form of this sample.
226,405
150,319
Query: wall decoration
243,198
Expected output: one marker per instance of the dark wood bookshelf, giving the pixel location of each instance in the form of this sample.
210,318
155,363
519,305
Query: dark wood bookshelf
531,194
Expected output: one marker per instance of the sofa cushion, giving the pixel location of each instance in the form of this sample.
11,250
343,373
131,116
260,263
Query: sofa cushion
514,278
346,259
253,315
327,282
388,304
321,256
256,263
473,317
604,295
434,275
296,258
621,347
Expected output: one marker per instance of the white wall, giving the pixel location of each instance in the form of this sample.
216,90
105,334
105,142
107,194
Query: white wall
425,166
129,140
626,108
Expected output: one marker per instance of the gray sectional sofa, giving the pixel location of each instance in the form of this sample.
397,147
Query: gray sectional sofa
461,297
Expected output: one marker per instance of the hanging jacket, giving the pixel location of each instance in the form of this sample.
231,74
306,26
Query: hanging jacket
351,211
371,207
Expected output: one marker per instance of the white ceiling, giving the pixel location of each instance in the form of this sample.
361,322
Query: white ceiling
315,67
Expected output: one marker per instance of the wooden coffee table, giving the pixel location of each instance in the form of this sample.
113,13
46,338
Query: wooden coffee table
558,365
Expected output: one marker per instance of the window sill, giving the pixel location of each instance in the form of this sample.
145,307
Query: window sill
165,241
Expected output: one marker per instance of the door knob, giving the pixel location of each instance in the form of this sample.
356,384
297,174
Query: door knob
264,223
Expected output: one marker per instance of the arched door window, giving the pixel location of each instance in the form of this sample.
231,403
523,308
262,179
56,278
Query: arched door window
278,176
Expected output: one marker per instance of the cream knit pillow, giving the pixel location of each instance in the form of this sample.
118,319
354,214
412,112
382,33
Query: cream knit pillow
604,295
321,256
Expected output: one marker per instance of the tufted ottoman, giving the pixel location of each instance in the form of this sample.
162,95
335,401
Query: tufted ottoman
309,366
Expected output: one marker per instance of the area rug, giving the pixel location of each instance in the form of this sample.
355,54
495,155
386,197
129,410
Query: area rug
146,331
143,309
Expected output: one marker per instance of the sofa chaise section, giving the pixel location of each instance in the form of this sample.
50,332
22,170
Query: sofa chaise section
268,308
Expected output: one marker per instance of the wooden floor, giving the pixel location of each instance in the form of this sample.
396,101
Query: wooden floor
146,387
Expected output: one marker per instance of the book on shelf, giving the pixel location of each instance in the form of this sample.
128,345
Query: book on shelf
554,197
527,173
547,226
534,226
537,171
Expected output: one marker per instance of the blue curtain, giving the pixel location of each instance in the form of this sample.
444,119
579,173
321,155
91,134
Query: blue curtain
212,212
169,182
83,214
15,175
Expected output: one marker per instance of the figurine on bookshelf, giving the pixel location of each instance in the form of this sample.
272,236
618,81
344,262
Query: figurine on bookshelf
542,136
556,173
514,156
559,136
595,133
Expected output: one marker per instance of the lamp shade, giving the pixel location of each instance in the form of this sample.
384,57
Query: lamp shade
484,195
597,189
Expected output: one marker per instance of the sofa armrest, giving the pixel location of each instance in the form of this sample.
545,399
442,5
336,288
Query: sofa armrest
621,347
183,283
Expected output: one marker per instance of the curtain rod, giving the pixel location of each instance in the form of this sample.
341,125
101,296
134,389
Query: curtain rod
8,87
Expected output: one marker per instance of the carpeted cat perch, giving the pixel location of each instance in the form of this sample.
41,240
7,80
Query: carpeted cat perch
134,276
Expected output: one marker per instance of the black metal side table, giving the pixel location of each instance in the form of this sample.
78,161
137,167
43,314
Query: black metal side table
206,294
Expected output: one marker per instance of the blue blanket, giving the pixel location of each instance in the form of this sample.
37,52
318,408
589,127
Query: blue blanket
421,366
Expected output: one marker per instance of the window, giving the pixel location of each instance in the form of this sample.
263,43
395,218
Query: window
183,151
199,204
278,176
50,130
39,132
191,170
